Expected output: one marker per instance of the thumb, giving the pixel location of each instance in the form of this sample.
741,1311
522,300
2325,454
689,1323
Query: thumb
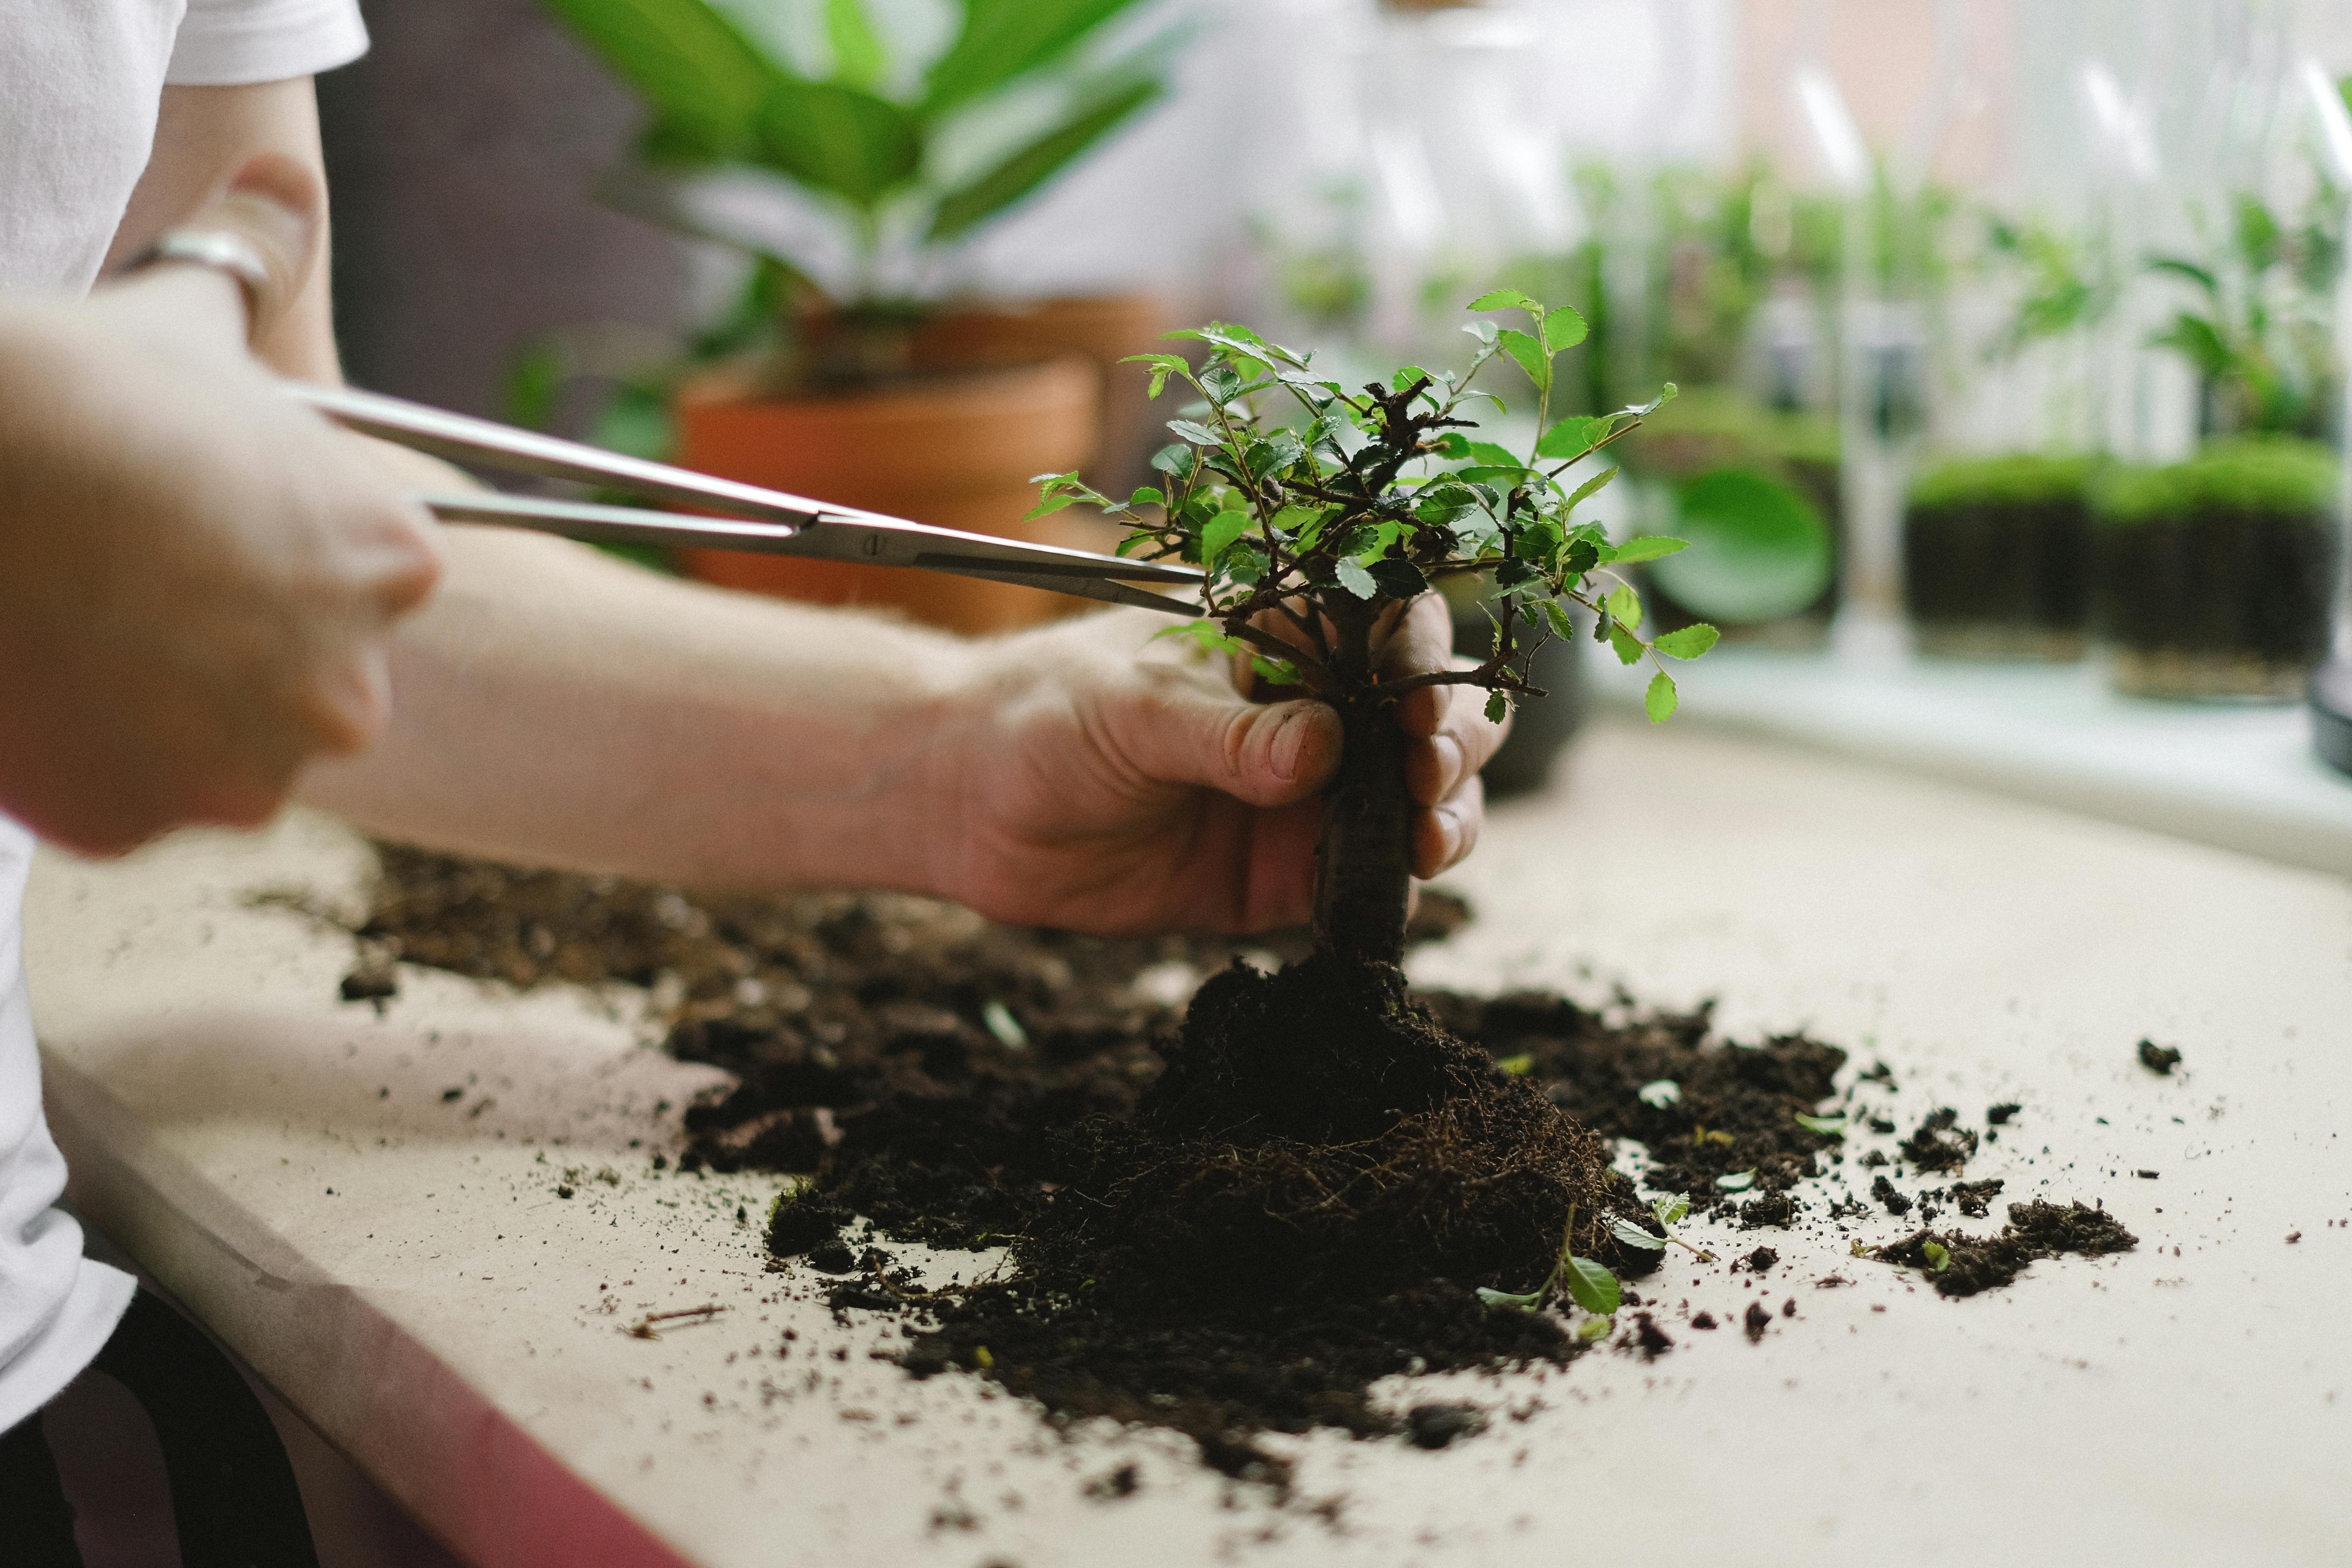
1266,755
278,207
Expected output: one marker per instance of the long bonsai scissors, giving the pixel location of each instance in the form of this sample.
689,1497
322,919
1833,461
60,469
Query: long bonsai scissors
763,520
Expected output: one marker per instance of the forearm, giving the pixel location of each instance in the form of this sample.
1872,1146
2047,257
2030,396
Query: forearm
555,707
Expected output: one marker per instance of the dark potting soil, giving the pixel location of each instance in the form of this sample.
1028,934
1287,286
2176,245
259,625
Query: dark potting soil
1225,1220
2034,1230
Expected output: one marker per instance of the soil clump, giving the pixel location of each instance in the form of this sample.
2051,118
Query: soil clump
1225,1220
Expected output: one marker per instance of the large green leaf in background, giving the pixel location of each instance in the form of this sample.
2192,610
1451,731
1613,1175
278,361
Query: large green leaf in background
858,57
1033,165
1002,39
1759,551
839,138
705,80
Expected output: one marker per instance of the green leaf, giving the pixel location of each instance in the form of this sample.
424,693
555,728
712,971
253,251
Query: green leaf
1355,579
1274,671
1593,1329
1482,330
1177,461
1689,642
705,80
1670,1210
1589,488
1648,548
1563,329
1198,434
1148,495
1525,1303
1659,701
2199,275
1507,299
1631,1235
1003,39
1938,1256
1531,357
839,138
1561,626
1005,1027
1489,455
2200,341
1737,1182
1659,1093
1628,645
1029,167
1591,1287
1398,578
1572,436
1518,1066
1625,606
1219,536
857,57
1049,506
1497,706
1827,1126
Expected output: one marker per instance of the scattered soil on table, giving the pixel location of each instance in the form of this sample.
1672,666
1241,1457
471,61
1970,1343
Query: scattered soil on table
1205,1234
2034,1230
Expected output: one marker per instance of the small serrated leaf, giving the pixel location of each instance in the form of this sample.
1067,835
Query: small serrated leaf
1530,356
1660,702
1505,299
1690,641
1050,505
1218,535
1671,1210
1198,434
1737,1182
1634,1235
1572,436
1593,1329
1497,706
1355,579
1563,328
1591,1287
1648,548
1628,645
1625,606
1938,1256
1525,1303
1589,488
1561,626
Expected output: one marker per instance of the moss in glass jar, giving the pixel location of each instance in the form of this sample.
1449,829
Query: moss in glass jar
1997,557
2214,578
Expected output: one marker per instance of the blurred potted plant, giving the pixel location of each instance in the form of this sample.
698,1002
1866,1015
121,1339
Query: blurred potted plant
2216,577
849,372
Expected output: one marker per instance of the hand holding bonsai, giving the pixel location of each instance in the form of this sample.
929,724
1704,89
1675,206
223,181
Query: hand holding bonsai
1095,790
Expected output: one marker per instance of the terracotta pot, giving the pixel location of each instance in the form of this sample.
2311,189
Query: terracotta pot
957,451
1104,328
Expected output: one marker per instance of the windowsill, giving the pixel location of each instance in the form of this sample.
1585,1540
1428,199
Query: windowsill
2240,777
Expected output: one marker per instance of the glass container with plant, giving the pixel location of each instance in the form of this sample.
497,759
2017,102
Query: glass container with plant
1997,558
2216,577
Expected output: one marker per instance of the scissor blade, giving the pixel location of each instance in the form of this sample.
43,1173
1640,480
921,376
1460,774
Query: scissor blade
869,543
594,524
484,443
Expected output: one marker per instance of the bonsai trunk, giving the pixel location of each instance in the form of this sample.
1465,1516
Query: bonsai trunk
1363,863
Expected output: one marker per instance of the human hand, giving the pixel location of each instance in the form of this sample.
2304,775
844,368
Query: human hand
197,576
1093,789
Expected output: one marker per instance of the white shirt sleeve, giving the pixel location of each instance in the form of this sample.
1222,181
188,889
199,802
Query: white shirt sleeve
230,42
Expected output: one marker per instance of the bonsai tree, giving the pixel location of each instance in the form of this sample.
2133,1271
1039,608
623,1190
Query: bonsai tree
880,151
1320,510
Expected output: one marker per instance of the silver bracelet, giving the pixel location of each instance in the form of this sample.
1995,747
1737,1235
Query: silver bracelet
221,249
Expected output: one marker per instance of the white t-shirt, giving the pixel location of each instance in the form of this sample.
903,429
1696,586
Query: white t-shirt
79,80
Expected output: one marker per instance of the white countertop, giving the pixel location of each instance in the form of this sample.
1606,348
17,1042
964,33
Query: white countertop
402,1269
